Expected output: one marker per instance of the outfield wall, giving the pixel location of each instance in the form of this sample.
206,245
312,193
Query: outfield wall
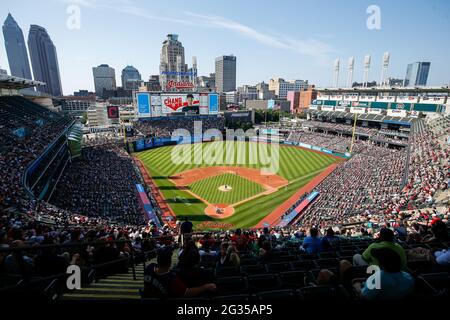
150,143
346,155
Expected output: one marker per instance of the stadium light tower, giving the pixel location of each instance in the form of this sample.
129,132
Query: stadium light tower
384,68
351,67
336,73
366,69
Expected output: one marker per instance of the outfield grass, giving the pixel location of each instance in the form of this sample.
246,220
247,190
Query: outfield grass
242,188
297,165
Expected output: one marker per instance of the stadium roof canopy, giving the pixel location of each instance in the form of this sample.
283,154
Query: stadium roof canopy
361,116
11,82
371,90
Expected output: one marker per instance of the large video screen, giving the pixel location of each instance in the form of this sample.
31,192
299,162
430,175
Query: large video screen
180,102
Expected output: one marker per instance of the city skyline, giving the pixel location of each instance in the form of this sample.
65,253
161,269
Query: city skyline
269,43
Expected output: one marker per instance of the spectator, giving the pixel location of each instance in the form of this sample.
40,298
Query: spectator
390,282
386,241
442,257
312,243
159,281
17,262
329,243
228,256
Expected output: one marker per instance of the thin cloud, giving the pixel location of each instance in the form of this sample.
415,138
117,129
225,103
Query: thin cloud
310,47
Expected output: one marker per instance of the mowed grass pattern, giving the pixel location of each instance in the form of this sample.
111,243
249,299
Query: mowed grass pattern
297,165
242,188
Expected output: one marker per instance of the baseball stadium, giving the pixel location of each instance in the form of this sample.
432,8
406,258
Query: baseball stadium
177,191
234,196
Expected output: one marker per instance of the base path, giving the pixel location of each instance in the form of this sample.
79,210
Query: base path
270,181
274,217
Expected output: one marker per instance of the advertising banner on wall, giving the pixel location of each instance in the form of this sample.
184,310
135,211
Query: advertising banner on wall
143,104
113,112
180,102
155,103
317,102
203,103
357,110
213,103
374,111
396,113
328,108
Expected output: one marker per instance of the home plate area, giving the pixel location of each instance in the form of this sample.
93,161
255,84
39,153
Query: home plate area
219,211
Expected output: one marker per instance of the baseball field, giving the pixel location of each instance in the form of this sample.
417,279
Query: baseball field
222,183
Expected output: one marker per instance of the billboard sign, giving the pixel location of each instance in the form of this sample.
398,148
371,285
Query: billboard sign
188,103
358,110
179,85
396,113
155,103
213,103
374,111
143,102
113,112
203,109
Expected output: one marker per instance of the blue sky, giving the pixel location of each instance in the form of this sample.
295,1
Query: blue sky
287,38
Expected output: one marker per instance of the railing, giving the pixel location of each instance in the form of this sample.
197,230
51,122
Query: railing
47,149
49,284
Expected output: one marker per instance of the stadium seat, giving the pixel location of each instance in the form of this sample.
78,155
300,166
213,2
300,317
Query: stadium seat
307,257
285,295
278,267
293,279
324,293
253,269
327,263
287,258
263,282
327,255
236,297
248,261
226,271
303,265
346,253
440,280
232,285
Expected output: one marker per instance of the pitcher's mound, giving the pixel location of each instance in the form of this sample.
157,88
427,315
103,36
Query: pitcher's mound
219,211
225,188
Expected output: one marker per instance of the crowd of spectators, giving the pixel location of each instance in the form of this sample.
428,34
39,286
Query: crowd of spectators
204,258
329,141
165,126
101,183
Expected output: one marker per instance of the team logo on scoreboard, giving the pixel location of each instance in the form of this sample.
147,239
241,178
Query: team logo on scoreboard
179,85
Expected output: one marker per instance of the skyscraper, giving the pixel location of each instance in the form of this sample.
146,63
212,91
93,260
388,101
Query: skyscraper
16,49
417,74
226,73
104,79
172,65
131,78
44,60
